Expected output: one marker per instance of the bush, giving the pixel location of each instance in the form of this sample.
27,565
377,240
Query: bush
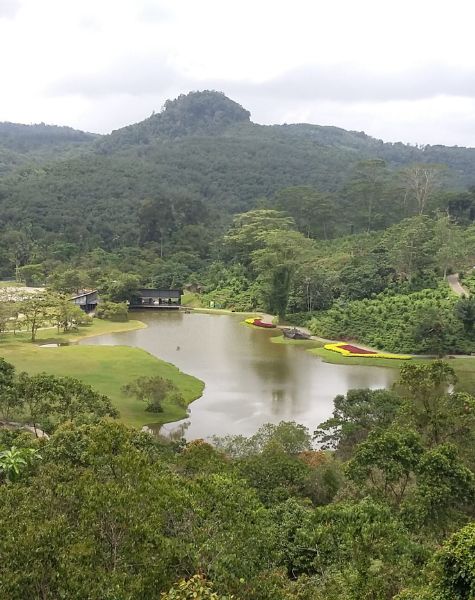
113,311
154,391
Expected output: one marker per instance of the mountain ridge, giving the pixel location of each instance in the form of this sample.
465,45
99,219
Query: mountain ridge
205,148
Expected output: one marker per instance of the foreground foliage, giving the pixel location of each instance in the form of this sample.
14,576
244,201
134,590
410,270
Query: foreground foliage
108,512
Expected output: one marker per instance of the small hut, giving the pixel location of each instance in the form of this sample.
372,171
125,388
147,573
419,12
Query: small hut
86,300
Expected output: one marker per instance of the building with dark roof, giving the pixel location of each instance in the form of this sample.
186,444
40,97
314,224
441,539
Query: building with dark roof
88,301
153,298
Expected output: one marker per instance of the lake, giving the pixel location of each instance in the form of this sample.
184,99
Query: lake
249,380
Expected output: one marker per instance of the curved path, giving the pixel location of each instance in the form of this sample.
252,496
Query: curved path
454,282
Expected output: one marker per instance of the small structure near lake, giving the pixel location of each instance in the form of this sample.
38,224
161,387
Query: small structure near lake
157,299
88,301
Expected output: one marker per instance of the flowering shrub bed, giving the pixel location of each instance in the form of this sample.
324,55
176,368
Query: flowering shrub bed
258,323
350,350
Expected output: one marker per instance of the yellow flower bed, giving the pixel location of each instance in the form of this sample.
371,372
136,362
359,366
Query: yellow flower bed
350,350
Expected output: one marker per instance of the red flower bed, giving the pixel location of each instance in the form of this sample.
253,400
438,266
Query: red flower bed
260,323
355,350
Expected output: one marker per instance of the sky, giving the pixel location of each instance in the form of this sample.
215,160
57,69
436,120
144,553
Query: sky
400,71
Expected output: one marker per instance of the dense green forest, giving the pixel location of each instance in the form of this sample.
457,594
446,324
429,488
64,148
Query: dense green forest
331,229
202,152
382,511
21,145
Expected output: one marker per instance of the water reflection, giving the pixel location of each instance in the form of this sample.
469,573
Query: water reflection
249,380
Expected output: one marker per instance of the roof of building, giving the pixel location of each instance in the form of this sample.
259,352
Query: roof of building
84,294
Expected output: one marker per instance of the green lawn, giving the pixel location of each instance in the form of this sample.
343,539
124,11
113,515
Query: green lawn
465,370
106,368
4,284
51,334
191,300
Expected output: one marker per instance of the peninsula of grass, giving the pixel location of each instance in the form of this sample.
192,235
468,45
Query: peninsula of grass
339,359
106,368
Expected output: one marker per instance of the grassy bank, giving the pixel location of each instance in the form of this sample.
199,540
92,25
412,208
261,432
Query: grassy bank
309,344
224,311
464,366
106,368
50,335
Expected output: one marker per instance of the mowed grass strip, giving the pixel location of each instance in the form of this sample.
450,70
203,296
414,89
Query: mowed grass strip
105,368
310,344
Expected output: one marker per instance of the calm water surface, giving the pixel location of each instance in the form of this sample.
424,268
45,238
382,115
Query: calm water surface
249,380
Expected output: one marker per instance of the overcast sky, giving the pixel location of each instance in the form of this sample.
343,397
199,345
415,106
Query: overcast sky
400,71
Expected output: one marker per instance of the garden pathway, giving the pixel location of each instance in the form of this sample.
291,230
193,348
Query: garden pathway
454,282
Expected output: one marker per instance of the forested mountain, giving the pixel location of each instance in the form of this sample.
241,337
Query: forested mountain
196,164
29,138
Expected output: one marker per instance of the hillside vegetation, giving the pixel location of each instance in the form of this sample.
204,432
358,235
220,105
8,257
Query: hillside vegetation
328,227
23,144
383,511
203,147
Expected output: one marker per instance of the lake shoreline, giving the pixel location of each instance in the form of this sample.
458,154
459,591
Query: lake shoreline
249,380
106,368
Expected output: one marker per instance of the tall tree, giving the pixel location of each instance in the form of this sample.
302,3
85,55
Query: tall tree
313,211
277,262
465,312
52,400
367,192
420,182
249,230
410,245
449,241
426,388
37,311
10,401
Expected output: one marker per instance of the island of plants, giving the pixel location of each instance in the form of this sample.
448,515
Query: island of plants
258,322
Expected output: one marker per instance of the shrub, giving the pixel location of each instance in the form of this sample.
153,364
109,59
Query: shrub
113,311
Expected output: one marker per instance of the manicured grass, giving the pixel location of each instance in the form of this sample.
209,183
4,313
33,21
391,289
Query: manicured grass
4,284
465,371
101,326
50,335
191,300
105,368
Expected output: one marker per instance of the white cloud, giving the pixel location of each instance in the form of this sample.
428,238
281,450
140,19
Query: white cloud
9,8
399,71
131,75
